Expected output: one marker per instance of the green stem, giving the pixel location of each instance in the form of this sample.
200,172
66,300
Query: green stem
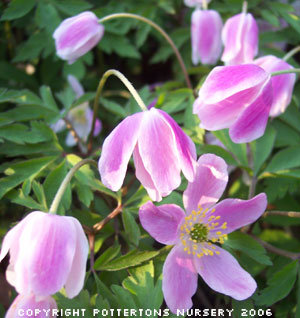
245,7
292,70
161,31
291,53
128,85
60,192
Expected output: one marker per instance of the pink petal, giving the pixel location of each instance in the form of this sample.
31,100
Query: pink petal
209,184
144,177
162,222
117,149
206,36
283,85
76,86
77,35
158,151
252,122
40,306
186,148
179,280
75,280
237,213
46,252
240,38
223,274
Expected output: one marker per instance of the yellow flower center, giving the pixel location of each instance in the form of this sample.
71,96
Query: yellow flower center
196,232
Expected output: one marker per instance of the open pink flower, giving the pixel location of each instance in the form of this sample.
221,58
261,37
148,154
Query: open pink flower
237,97
240,38
198,233
283,85
77,35
160,151
206,36
47,252
40,307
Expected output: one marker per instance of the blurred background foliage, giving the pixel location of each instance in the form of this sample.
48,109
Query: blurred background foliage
34,93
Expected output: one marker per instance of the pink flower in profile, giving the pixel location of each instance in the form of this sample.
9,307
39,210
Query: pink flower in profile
283,85
41,307
240,38
81,117
77,35
237,97
198,233
160,151
206,36
47,252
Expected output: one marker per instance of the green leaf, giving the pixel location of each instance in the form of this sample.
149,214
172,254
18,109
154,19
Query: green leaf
125,299
239,150
72,7
113,107
18,197
262,147
270,17
177,100
244,243
40,194
132,258
297,315
85,194
47,17
132,230
17,9
108,255
48,99
19,172
244,305
285,159
279,285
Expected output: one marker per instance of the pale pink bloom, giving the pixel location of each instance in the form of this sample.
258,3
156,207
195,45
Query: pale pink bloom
195,3
81,117
206,36
237,97
47,252
77,35
35,306
160,151
195,232
283,85
240,38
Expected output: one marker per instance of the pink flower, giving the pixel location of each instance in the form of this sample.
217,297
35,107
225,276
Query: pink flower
47,252
77,35
35,306
240,38
81,117
237,97
160,151
196,232
283,85
206,36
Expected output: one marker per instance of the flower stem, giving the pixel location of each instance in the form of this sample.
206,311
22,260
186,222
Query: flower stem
292,214
245,7
98,226
291,53
292,70
204,4
128,85
161,31
60,192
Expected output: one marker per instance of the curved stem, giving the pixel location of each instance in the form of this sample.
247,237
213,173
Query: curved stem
291,53
60,192
245,7
161,31
292,70
128,85
98,226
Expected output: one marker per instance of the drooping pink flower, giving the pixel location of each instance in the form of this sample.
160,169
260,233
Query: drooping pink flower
240,38
283,85
237,97
47,252
77,35
206,36
29,305
160,151
197,234
81,117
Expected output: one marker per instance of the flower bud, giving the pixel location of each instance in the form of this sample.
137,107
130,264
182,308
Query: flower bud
240,38
283,85
206,36
77,35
